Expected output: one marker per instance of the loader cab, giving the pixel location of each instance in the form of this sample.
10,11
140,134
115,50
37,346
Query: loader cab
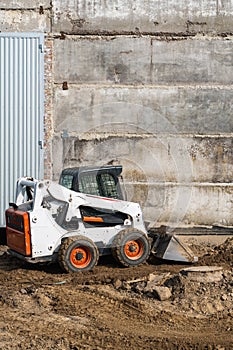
99,181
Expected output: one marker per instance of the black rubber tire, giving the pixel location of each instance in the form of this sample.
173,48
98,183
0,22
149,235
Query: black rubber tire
72,246
122,241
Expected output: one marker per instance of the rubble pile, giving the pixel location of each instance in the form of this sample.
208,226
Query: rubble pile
221,254
190,294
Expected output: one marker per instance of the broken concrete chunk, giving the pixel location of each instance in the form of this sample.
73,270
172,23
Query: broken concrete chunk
162,293
205,274
117,283
158,279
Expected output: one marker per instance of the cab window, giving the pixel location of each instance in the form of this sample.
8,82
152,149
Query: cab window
108,186
99,185
88,184
67,181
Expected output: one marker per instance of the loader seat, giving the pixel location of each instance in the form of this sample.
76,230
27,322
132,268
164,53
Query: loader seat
61,213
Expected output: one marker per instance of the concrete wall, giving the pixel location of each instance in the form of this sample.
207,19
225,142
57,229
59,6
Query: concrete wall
155,16
148,84
25,16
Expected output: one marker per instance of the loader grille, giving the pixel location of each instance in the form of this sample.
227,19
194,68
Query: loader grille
18,231
15,221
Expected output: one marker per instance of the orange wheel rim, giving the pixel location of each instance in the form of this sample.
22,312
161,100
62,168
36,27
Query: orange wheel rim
80,257
133,249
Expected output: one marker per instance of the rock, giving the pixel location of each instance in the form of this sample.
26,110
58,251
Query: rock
204,274
152,276
224,297
108,280
155,278
117,283
218,306
162,293
23,291
149,287
126,286
210,308
140,288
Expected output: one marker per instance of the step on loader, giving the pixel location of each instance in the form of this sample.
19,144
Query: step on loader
52,223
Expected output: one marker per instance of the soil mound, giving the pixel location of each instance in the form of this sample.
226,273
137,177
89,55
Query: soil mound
222,254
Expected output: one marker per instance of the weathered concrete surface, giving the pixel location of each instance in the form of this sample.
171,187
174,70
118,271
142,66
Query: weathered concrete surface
179,202
95,60
131,60
161,174
25,4
81,16
175,162
192,61
167,158
179,205
163,109
205,274
177,109
24,21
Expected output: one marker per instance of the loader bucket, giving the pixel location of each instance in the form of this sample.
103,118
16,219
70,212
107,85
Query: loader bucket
169,247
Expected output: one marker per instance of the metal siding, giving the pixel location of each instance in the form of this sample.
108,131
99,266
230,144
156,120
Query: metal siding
21,111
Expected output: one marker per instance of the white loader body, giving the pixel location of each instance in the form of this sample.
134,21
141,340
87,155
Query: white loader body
44,209
49,222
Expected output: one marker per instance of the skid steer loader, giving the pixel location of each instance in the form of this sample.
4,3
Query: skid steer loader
49,222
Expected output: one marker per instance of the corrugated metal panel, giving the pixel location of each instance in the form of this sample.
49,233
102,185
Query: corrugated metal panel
21,111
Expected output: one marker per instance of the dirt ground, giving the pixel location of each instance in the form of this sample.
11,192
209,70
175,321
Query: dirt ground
117,308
